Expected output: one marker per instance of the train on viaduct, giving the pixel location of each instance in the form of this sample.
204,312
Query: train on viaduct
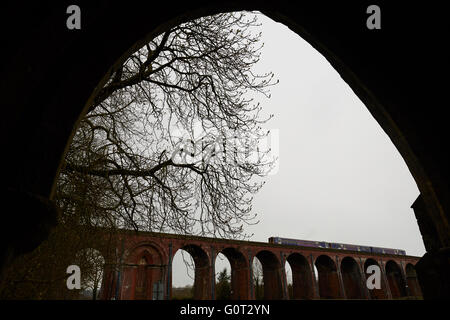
142,269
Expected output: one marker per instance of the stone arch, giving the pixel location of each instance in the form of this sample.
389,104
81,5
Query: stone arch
102,252
132,256
240,277
351,278
222,291
397,284
143,273
375,293
328,278
358,84
202,273
411,280
302,282
273,288
143,276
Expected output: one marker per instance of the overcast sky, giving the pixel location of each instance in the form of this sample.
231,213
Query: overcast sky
339,177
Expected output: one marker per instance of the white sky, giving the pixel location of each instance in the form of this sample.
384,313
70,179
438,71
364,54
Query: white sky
340,178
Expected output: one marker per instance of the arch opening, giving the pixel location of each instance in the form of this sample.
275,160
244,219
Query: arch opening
328,278
302,281
202,271
412,281
92,267
257,285
182,276
239,274
395,279
268,15
375,293
350,273
271,273
351,278
222,287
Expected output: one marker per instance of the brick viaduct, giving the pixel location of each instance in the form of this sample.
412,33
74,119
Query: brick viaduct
146,261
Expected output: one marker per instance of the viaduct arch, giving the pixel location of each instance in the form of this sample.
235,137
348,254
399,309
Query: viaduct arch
240,273
144,270
49,78
396,280
302,276
376,294
329,280
353,283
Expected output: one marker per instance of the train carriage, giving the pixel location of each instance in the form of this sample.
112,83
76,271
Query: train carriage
333,245
365,249
298,242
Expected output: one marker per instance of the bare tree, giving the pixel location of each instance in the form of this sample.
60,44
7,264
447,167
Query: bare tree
92,263
172,141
